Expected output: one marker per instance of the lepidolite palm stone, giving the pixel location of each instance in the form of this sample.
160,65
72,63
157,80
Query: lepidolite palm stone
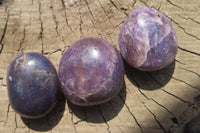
147,40
32,85
91,72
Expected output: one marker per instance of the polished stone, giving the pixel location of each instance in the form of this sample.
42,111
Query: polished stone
32,85
91,72
147,40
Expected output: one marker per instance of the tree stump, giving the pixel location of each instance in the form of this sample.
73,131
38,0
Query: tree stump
149,102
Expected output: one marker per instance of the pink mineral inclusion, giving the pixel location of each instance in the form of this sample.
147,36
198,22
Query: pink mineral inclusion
147,40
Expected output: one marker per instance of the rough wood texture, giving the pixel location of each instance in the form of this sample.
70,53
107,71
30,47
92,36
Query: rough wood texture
150,102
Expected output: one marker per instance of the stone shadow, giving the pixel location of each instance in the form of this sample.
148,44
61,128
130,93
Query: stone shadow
149,80
100,113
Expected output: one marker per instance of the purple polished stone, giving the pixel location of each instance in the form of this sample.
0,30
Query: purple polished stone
91,72
32,85
147,40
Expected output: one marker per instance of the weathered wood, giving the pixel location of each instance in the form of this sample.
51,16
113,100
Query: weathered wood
150,102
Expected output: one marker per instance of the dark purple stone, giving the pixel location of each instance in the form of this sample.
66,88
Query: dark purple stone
32,85
91,72
147,40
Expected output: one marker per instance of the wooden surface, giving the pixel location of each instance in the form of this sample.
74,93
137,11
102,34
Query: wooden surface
149,102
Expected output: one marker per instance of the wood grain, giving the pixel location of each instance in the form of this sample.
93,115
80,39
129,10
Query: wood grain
149,102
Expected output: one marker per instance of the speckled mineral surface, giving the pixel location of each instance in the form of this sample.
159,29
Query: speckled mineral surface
147,40
91,72
32,85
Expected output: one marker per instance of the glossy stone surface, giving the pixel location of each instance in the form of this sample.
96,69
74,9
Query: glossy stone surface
147,40
32,85
91,72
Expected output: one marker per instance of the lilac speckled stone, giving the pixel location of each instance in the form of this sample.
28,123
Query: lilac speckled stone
91,72
147,40
32,85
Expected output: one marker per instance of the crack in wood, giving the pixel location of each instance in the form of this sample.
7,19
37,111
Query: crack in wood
155,118
3,85
119,9
4,32
105,13
22,40
54,18
1,79
57,50
89,9
185,50
179,62
189,103
112,2
174,4
93,18
112,42
56,22
72,121
41,27
138,86
81,120
66,20
108,127
159,7
183,82
141,130
120,23
186,83
175,120
188,18
16,126
80,24
190,71
134,2
8,110
194,36
145,3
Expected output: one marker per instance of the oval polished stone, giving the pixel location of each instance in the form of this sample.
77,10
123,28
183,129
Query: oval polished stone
91,72
147,40
32,85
